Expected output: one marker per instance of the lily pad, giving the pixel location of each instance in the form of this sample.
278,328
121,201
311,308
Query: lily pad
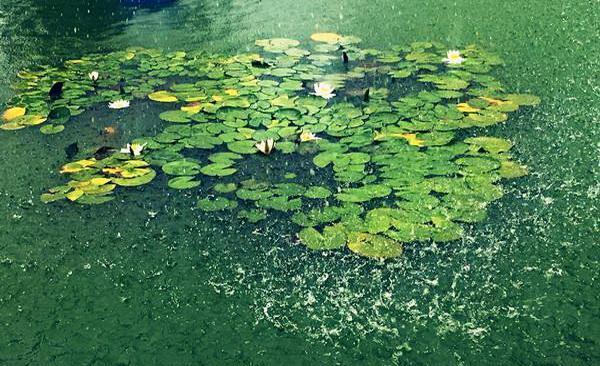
373,246
181,167
216,204
175,116
135,181
333,237
331,38
218,170
163,96
51,129
183,182
253,216
242,147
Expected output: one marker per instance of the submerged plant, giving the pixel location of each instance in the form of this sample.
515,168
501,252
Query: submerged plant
400,160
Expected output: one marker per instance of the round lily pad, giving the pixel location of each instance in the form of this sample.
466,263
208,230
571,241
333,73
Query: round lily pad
373,246
216,204
218,169
242,147
183,182
181,167
175,116
51,129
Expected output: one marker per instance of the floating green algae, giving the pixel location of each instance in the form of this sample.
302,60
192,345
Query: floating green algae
391,134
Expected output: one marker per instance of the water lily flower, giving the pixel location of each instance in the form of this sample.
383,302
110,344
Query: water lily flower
133,149
453,57
266,146
306,136
324,90
118,104
94,75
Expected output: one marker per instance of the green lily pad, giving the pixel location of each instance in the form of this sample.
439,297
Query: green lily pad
94,200
183,182
333,237
282,203
216,204
317,192
373,246
253,216
492,144
225,187
524,99
181,167
252,194
175,116
218,170
242,147
52,129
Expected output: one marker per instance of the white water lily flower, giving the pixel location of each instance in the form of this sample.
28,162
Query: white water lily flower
118,104
453,57
94,75
133,149
324,90
266,146
306,136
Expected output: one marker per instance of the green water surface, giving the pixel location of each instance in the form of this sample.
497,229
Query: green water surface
147,280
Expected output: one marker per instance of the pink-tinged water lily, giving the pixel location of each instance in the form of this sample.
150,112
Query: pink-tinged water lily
324,90
133,149
266,146
118,104
453,57
306,136
94,75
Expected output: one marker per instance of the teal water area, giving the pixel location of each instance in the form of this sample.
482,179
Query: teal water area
148,280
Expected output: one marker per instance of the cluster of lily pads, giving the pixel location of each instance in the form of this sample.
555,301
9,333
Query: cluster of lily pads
392,134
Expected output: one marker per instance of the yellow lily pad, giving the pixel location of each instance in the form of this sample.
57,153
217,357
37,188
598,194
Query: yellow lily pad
191,108
136,181
466,108
11,126
411,138
76,166
162,96
326,37
31,120
99,181
112,171
13,113
74,194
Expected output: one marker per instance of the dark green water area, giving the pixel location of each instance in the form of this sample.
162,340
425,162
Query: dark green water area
267,183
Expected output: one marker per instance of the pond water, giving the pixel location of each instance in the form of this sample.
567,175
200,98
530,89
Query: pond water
149,278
